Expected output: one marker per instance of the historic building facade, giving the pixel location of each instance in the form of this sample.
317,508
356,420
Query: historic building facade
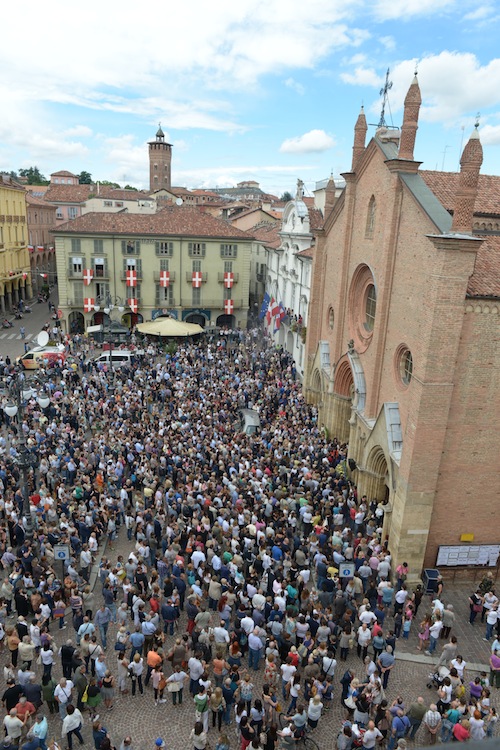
179,261
402,342
15,276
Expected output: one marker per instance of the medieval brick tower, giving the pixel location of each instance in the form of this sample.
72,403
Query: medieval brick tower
160,162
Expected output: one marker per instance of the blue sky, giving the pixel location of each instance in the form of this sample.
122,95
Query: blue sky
256,89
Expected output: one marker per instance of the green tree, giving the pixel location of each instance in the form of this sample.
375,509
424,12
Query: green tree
107,183
11,173
286,197
33,176
130,187
85,178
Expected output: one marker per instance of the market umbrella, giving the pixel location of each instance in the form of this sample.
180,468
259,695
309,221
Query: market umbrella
169,327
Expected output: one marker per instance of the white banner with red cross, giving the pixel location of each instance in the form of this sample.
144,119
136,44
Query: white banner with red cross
133,304
88,275
165,279
196,279
228,306
228,279
131,277
88,304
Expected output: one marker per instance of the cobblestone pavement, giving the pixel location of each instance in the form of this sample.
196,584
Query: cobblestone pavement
144,721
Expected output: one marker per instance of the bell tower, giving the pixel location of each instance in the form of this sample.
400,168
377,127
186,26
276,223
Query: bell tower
160,162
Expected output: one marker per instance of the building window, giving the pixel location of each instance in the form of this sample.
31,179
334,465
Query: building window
403,365
78,293
76,246
108,204
362,307
331,318
370,218
228,251
98,246
228,266
164,264
164,296
76,265
227,293
164,248
196,298
102,290
131,247
72,212
99,267
196,266
119,204
196,249
370,307
132,264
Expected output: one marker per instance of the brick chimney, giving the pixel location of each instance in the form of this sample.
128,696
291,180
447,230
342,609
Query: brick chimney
470,164
360,131
413,100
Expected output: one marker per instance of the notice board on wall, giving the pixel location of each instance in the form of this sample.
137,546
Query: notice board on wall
468,554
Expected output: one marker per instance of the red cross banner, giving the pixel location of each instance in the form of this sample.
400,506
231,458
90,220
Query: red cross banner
88,304
228,280
31,248
44,275
88,275
131,278
197,279
40,248
164,278
132,303
25,275
228,306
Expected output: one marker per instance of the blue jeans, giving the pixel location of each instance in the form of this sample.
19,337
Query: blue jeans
446,730
394,739
253,658
432,645
103,630
489,631
226,716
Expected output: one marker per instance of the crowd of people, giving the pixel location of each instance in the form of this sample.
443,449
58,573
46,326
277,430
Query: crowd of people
220,579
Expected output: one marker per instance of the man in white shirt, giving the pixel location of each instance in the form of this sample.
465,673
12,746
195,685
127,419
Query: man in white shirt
221,636
62,694
371,736
434,632
367,616
247,624
197,557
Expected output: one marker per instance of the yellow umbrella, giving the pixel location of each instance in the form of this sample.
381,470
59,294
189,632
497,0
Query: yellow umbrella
169,327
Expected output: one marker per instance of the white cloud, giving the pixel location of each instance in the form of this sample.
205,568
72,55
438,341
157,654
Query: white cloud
78,131
311,142
479,14
362,77
291,83
490,135
388,42
390,10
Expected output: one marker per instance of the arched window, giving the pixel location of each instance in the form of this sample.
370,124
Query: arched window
370,217
370,307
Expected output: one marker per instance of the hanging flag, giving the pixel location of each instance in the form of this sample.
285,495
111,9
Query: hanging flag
279,316
228,279
30,248
270,307
44,275
164,278
133,304
88,304
196,279
228,306
40,248
25,275
131,277
88,275
264,306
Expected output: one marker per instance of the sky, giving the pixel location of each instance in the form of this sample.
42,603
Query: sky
265,90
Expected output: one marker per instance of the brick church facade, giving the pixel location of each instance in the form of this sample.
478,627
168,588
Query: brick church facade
403,338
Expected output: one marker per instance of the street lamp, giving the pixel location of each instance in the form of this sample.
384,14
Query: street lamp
21,391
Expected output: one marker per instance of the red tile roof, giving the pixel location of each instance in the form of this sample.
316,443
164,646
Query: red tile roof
120,195
68,193
485,281
63,173
173,220
316,219
32,200
306,253
444,185
268,234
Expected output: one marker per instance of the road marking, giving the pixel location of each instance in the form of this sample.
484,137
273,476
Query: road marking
12,336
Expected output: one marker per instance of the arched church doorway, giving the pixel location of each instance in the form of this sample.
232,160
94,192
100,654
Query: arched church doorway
343,386
377,484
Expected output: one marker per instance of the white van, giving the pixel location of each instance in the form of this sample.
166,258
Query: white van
249,421
115,358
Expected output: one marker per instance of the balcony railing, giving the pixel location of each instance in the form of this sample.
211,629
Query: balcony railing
123,275
189,276
236,277
172,275
172,302
218,304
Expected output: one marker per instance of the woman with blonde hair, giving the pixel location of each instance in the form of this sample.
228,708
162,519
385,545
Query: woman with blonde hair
217,706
